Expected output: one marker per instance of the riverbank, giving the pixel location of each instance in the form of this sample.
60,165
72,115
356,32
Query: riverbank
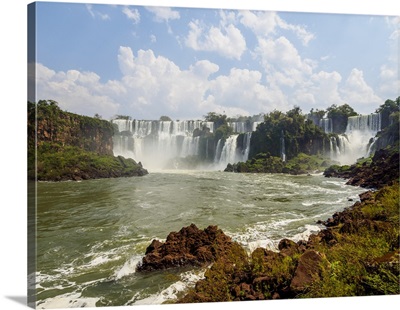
62,163
357,254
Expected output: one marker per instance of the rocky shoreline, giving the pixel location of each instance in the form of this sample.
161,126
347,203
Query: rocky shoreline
382,170
357,254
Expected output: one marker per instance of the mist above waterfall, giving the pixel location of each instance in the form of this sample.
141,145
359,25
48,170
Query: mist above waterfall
357,139
159,144
200,144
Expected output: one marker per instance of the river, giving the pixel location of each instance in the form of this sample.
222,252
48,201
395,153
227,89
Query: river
91,234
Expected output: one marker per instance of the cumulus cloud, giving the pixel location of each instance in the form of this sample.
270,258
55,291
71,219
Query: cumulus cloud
243,90
226,40
357,93
155,84
76,90
282,62
163,14
389,81
321,92
132,14
263,24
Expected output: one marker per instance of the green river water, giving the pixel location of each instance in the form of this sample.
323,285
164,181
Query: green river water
91,234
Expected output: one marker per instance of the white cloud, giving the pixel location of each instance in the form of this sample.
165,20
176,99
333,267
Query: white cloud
299,30
324,90
282,62
163,14
389,81
95,14
76,91
243,90
358,94
132,14
153,38
227,40
263,24
155,85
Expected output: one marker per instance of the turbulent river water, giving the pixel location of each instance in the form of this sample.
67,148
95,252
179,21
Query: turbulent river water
91,234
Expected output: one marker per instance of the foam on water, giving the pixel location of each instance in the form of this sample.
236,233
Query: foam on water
187,279
309,203
255,210
309,229
71,300
128,268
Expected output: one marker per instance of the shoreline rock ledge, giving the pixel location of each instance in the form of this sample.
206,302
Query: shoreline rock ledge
190,246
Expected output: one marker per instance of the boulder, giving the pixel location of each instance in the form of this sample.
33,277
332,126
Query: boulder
189,246
288,247
308,270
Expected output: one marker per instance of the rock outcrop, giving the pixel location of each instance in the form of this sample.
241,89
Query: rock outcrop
383,170
189,246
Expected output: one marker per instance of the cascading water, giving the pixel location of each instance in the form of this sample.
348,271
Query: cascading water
326,124
283,151
155,142
229,152
357,140
247,138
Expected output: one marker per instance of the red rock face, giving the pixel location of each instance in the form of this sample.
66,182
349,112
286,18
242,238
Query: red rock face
74,130
189,246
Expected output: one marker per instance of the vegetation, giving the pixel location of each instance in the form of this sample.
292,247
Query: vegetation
56,162
264,163
389,112
339,116
125,117
365,259
65,146
357,256
300,135
164,118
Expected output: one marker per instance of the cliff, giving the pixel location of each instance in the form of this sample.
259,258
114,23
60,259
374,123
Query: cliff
57,126
67,146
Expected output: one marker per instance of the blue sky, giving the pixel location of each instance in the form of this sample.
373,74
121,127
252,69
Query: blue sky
184,62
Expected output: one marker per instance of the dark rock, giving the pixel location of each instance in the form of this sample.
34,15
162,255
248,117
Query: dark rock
308,270
276,296
383,170
189,246
288,247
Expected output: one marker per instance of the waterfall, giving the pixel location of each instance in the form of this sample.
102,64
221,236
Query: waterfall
326,124
246,144
218,151
356,141
238,127
243,127
229,152
154,143
283,152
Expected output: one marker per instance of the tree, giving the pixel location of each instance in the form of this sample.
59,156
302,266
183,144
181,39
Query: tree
165,118
126,117
217,119
388,108
98,116
339,116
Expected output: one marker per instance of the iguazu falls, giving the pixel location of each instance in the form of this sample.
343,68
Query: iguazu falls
155,184
192,155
